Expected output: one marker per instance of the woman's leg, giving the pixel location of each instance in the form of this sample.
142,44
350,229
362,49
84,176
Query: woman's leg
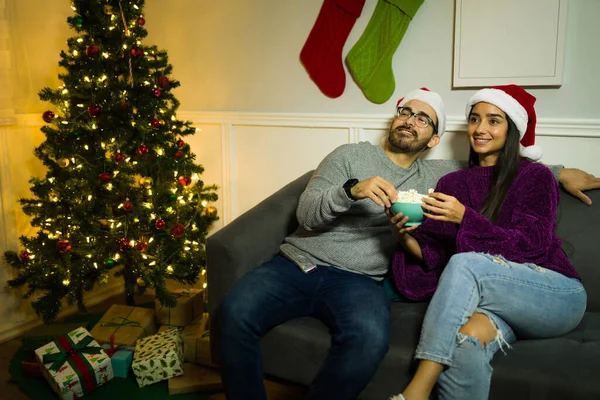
534,301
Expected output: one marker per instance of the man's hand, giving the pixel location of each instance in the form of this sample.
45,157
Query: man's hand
381,191
401,234
445,208
575,181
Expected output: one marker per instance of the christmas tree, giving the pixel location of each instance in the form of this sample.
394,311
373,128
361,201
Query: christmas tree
122,195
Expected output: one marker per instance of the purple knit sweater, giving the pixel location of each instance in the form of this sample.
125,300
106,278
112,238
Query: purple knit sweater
524,232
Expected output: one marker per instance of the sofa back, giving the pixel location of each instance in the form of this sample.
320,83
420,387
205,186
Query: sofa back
579,228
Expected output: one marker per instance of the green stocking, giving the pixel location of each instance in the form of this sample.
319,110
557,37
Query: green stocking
370,60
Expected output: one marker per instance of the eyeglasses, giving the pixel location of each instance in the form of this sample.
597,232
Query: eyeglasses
422,120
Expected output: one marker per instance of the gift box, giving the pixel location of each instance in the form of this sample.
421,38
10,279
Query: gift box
121,358
190,304
196,341
195,378
158,357
40,335
126,323
31,368
74,364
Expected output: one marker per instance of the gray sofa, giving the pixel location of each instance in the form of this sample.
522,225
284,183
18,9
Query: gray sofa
567,367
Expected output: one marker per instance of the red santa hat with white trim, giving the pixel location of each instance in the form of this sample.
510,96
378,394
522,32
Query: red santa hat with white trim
517,103
434,101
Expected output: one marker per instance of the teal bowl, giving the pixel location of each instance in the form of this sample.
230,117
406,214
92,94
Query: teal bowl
413,211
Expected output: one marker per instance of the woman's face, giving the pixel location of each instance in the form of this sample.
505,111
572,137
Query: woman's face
487,128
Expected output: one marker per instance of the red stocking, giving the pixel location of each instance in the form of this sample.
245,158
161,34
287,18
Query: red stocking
322,52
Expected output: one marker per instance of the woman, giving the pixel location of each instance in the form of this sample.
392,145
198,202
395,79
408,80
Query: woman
489,253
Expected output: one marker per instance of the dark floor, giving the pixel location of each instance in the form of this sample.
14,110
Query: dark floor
276,390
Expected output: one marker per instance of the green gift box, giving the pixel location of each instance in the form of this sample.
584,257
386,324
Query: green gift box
158,357
74,364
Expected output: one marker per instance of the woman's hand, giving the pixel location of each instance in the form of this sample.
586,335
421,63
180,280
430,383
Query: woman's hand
441,207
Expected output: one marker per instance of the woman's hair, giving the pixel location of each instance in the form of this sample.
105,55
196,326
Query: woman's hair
504,173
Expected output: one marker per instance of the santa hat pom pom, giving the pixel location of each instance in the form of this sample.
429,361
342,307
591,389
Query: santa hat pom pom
532,152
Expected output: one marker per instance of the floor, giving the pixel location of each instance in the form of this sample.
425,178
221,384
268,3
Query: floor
276,390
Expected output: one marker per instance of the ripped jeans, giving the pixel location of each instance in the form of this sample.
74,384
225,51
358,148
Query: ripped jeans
522,300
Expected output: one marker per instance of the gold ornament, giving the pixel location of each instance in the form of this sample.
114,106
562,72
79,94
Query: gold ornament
63,162
140,281
210,211
108,9
146,182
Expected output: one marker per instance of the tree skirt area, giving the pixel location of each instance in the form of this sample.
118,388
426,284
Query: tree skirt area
117,388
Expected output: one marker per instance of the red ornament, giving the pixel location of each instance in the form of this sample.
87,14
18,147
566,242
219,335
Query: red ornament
155,92
48,116
25,256
105,177
155,123
180,143
178,230
94,110
162,81
127,206
123,106
184,180
137,52
178,154
119,157
141,246
160,224
141,21
143,149
63,246
92,50
124,244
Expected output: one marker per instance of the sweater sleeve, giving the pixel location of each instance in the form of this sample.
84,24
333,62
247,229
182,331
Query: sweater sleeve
324,198
527,235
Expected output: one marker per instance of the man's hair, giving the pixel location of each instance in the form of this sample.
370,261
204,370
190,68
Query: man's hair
504,174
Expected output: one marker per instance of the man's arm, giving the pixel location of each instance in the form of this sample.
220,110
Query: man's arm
575,181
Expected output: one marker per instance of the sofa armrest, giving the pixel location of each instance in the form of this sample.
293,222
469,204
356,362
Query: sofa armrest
247,242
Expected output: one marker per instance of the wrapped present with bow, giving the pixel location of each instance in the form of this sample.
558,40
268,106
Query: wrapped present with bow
120,356
196,341
125,324
190,304
74,364
158,357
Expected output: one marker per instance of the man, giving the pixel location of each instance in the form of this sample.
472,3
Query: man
331,268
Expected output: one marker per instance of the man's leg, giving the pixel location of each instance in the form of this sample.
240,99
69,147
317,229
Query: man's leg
275,292
357,312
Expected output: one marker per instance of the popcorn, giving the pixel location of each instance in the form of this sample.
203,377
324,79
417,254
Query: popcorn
411,196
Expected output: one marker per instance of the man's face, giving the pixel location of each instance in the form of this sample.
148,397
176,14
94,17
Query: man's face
406,137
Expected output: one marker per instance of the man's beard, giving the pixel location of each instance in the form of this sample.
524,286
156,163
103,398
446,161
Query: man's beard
401,143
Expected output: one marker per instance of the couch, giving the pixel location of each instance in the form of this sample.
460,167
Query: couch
566,367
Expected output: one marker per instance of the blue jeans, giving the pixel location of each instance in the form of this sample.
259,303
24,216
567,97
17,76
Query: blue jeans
522,300
354,307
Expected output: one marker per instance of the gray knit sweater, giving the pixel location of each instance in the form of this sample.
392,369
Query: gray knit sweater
355,235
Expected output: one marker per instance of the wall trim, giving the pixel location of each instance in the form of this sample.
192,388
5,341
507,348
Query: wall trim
558,127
